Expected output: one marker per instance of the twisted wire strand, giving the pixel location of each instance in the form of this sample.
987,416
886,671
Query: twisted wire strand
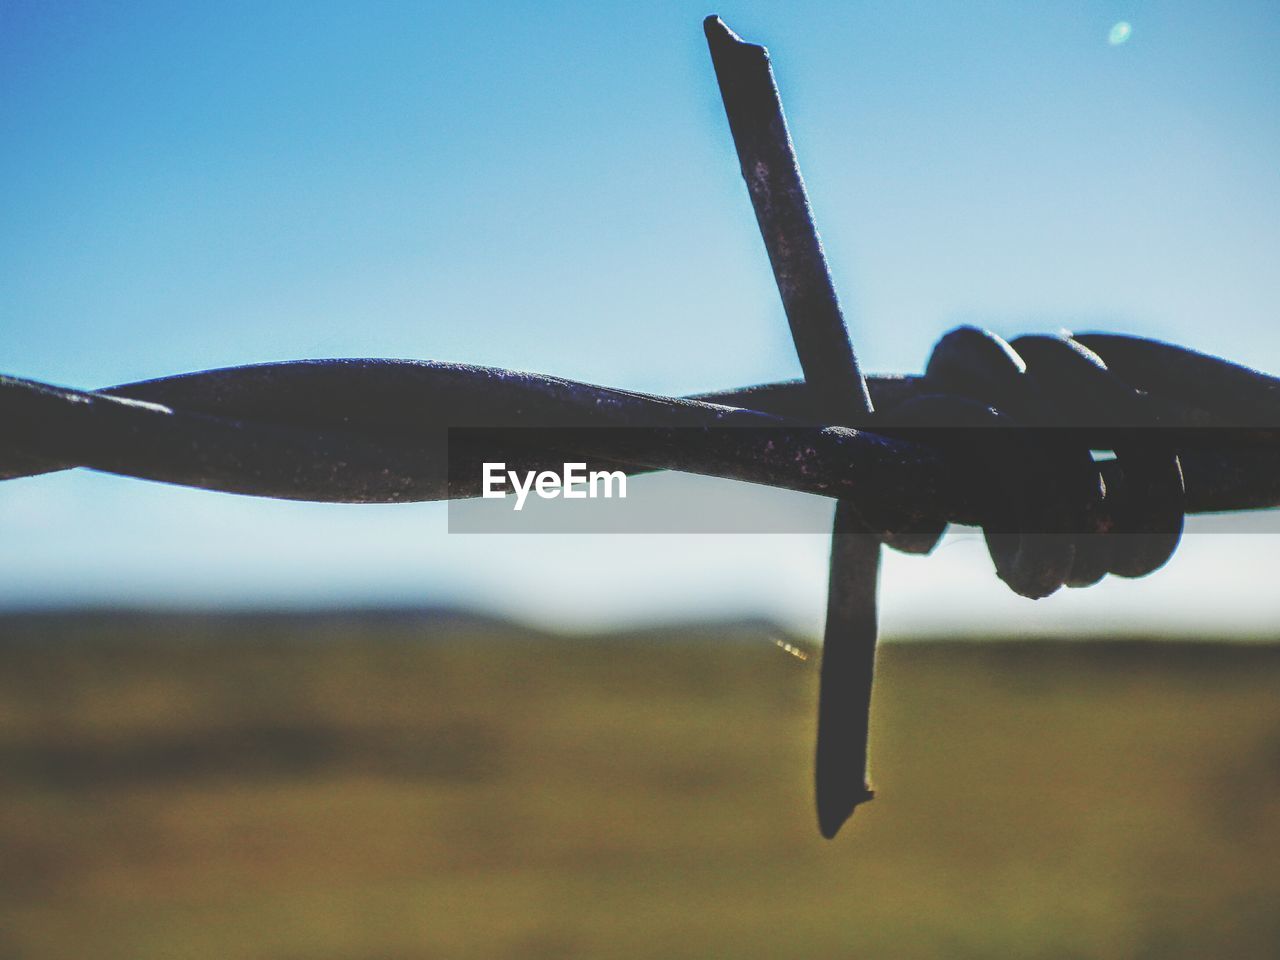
1192,433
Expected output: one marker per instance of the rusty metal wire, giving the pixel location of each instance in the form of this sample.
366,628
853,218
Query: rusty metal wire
993,434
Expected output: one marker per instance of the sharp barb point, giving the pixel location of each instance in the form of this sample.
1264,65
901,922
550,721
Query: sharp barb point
720,36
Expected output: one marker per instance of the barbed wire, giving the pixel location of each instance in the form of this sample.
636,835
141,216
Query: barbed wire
994,434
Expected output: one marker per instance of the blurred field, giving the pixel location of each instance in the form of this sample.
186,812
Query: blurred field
351,791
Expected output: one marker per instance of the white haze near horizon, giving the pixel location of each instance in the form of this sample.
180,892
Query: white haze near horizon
1219,584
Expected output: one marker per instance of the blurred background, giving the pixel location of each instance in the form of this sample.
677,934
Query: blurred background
244,728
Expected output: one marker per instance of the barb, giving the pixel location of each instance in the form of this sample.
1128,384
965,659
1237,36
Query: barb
772,174
992,434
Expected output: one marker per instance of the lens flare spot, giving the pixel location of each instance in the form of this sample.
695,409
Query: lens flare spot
1119,33
791,649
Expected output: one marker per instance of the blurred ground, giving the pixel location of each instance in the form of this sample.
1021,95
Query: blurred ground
348,791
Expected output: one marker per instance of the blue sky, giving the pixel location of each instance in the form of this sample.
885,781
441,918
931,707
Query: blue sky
553,188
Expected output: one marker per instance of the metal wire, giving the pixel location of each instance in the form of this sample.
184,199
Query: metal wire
376,431
994,434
